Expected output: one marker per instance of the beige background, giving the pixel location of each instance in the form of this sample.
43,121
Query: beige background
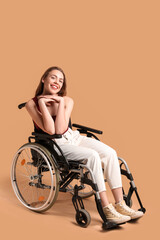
110,52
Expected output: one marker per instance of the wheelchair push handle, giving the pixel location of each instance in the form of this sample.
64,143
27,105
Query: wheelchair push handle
21,105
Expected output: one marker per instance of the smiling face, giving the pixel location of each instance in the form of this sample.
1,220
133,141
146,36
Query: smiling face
53,82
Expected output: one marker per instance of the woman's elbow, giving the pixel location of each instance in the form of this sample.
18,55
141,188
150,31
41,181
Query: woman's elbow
60,131
50,131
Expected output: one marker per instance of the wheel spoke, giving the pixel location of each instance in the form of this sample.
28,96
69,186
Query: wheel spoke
34,184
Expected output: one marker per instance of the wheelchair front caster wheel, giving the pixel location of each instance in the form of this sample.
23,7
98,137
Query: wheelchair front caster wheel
83,218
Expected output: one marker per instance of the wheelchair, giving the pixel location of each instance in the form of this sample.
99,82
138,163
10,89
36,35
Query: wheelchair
40,171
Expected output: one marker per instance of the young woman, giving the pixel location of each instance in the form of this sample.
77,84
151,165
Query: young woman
50,111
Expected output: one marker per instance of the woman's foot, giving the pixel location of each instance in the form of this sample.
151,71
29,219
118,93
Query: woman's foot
113,216
122,208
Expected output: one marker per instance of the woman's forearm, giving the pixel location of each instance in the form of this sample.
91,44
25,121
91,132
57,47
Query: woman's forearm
60,122
48,122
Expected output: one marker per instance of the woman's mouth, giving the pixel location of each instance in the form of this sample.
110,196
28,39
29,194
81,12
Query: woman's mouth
53,86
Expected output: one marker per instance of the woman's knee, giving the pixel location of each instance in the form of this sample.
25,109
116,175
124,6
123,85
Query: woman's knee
110,151
110,155
94,157
114,152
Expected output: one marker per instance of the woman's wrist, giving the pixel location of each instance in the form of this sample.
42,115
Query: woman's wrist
40,100
61,100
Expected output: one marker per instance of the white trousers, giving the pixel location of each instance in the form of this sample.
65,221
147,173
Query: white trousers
76,147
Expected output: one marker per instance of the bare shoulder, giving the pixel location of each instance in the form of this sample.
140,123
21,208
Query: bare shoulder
68,100
30,103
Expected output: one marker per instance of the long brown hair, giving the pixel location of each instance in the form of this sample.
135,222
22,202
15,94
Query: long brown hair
63,90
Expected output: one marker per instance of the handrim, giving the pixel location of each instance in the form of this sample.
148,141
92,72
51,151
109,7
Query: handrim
50,164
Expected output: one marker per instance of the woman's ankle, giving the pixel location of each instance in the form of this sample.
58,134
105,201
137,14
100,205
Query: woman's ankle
104,199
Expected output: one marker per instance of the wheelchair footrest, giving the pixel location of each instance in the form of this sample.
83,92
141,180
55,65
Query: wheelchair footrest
142,209
109,225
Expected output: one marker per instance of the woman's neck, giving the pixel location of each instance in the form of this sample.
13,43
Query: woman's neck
48,93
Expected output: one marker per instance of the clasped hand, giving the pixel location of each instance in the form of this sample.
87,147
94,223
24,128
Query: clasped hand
50,98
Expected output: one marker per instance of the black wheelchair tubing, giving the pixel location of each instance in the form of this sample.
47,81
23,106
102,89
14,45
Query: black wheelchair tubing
62,157
46,136
22,105
49,146
87,128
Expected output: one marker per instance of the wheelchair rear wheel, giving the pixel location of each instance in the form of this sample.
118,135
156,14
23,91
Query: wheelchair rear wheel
34,177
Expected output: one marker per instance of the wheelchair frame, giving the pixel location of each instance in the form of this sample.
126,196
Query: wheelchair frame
65,172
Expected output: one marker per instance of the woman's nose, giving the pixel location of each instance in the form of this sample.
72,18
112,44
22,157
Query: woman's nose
56,81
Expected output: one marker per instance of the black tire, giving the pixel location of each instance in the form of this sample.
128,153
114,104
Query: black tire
83,218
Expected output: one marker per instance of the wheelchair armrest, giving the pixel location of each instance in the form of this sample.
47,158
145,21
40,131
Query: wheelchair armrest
86,128
46,135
